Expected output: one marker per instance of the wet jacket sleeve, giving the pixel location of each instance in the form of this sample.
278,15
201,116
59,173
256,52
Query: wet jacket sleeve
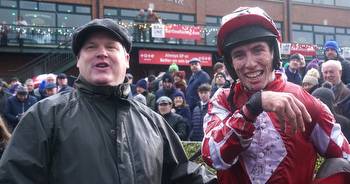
173,154
226,134
26,159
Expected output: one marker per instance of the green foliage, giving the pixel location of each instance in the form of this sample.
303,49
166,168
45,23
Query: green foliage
192,147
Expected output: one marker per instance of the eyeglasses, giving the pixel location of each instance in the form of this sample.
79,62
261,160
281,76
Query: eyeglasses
164,104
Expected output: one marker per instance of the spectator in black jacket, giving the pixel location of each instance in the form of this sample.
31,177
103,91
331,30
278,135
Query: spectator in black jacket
176,121
327,97
292,70
17,105
196,133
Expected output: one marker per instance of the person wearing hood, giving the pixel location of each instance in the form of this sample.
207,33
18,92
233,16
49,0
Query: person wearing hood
332,52
95,134
142,88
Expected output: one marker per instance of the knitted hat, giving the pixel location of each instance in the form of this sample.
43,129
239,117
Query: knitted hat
21,90
50,85
325,95
178,93
310,79
312,64
331,45
313,72
173,68
167,78
142,83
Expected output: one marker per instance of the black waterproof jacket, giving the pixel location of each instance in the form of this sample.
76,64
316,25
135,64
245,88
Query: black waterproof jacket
93,135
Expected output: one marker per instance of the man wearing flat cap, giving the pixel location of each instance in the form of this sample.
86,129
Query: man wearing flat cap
197,78
17,105
95,134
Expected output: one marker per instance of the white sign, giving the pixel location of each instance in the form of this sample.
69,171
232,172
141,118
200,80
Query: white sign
158,30
285,48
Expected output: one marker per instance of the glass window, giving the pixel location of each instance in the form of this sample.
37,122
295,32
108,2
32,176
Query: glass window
37,18
343,40
303,37
31,5
327,2
319,39
278,25
348,31
47,6
188,18
169,16
307,27
8,15
324,29
296,27
83,9
129,13
342,3
340,30
210,34
65,8
211,20
110,12
8,3
71,20
329,37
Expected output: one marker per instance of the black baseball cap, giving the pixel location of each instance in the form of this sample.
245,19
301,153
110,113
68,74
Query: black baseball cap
81,33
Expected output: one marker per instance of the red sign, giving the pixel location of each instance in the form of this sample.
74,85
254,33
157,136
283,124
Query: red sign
186,32
169,57
304,49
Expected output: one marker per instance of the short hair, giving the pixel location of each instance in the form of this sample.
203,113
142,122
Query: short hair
204,87
335,63
217,66
29,81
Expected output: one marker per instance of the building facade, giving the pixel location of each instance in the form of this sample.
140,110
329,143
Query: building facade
49,24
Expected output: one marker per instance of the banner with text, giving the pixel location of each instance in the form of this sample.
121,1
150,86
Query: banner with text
169,57
178,31
294,48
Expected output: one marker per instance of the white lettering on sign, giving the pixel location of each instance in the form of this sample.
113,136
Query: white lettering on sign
180,2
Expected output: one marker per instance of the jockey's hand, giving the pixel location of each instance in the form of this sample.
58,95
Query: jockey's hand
287,108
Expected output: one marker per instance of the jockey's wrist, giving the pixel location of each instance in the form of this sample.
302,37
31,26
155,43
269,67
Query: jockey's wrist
254,104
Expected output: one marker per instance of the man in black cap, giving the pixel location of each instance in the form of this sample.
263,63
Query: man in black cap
62,82
197,78
168,88
95,134
17,105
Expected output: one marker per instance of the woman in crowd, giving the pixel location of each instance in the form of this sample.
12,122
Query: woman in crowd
181,107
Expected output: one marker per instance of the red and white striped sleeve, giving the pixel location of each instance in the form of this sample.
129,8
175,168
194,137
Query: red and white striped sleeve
226,134
328,137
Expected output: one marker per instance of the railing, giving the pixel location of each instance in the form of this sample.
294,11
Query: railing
38,36
46,63
14,35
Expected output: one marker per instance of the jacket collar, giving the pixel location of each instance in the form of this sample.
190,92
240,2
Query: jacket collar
121,91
